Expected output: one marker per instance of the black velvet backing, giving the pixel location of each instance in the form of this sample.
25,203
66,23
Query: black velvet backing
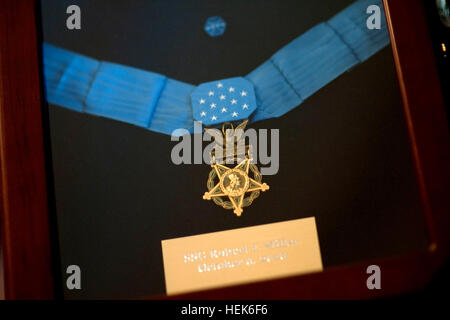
344,153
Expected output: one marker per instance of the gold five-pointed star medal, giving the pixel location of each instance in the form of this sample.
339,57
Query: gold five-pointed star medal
234,184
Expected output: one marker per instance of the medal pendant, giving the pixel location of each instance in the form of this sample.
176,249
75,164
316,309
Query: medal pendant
234,187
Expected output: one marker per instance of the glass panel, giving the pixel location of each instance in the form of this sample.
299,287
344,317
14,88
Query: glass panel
343,153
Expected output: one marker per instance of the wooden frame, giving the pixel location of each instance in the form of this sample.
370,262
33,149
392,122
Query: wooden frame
26,220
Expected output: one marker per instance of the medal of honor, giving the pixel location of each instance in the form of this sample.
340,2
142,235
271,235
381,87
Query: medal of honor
158,103
219,102
234,187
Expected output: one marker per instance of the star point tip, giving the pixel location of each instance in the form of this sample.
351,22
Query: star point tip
207,196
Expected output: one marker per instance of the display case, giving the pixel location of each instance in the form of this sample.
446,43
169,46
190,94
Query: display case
358,176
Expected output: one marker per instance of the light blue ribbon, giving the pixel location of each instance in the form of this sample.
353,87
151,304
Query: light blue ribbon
160,104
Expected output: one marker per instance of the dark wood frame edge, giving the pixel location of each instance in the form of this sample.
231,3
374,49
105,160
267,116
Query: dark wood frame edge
25,218
24,211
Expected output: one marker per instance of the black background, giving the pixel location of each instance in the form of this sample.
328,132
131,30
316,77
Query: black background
344,153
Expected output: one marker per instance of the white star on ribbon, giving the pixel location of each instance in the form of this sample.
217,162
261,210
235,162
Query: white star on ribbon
213,118
231,89
243,93
212,105
244,106
210,93
234,114
203,114
222,97
202,101
233,101
224,109
219,85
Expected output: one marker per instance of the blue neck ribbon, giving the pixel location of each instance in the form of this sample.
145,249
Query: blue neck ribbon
161,104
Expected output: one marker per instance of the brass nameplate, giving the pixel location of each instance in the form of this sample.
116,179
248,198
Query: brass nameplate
241,255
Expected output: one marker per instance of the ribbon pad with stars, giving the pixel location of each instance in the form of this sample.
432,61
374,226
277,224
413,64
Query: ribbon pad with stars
223,100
